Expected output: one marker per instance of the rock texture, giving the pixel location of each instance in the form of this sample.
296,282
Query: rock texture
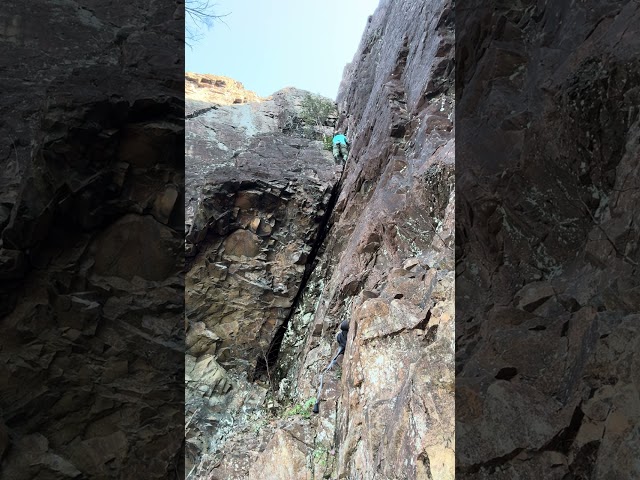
386,266
91,242
259,202
219,134
217,89
547,274
280,253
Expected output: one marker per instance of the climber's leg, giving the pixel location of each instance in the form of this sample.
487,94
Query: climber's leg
336,152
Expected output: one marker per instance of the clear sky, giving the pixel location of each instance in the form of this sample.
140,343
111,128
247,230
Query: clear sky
271,44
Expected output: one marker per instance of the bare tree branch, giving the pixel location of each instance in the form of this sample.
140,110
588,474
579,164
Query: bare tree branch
199,15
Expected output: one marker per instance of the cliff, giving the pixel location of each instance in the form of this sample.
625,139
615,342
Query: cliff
259,198
547,229
91,242
217,89
308,245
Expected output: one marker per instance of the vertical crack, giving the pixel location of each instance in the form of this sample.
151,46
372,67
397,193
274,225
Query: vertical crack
268,362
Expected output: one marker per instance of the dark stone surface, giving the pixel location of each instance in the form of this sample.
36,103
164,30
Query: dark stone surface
258,200
91,195
386,266
547,240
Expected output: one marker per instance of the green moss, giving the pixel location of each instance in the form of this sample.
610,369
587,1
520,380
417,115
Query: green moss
302,409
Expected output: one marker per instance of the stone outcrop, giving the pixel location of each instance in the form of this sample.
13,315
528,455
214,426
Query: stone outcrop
219,133
259,200
217,89
547,276
386,266
91,254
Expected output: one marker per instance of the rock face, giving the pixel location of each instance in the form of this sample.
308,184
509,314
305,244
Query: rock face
91,254
389,258
387,267
219,134
217,89
259,203
547,276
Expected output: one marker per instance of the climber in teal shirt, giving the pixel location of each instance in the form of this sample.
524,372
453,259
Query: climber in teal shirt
340,147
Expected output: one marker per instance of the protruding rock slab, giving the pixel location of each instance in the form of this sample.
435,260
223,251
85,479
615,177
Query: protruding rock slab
262,202
217,89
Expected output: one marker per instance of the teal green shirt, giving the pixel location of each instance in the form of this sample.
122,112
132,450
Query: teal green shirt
340,139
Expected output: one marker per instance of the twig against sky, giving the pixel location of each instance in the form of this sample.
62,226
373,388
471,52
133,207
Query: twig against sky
199,14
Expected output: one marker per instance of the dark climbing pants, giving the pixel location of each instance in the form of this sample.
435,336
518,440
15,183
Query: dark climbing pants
339,149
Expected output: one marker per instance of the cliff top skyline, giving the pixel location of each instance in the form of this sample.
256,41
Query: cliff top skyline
271,45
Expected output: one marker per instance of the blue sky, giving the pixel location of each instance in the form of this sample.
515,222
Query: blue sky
271,44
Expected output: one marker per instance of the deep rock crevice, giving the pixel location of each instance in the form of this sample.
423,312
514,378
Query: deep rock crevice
256,221
373,248
268,362
386,268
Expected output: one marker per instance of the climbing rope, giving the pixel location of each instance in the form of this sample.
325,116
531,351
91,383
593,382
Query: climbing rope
341,338
316,407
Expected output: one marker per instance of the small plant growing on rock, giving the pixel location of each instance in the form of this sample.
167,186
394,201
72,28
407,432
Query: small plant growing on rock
303,409
315,110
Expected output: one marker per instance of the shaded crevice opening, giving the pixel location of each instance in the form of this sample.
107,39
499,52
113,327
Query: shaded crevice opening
563,440
266,364
506,373
200,112
489,466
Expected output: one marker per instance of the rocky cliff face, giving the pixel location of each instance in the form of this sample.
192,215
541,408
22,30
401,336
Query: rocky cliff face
91,221
548,253
217,89
386,266
260,197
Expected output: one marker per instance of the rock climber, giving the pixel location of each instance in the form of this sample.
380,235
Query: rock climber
340,147
341,338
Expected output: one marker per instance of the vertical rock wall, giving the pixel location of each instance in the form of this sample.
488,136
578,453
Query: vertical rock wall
92,241
387,410
548,255
256,217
